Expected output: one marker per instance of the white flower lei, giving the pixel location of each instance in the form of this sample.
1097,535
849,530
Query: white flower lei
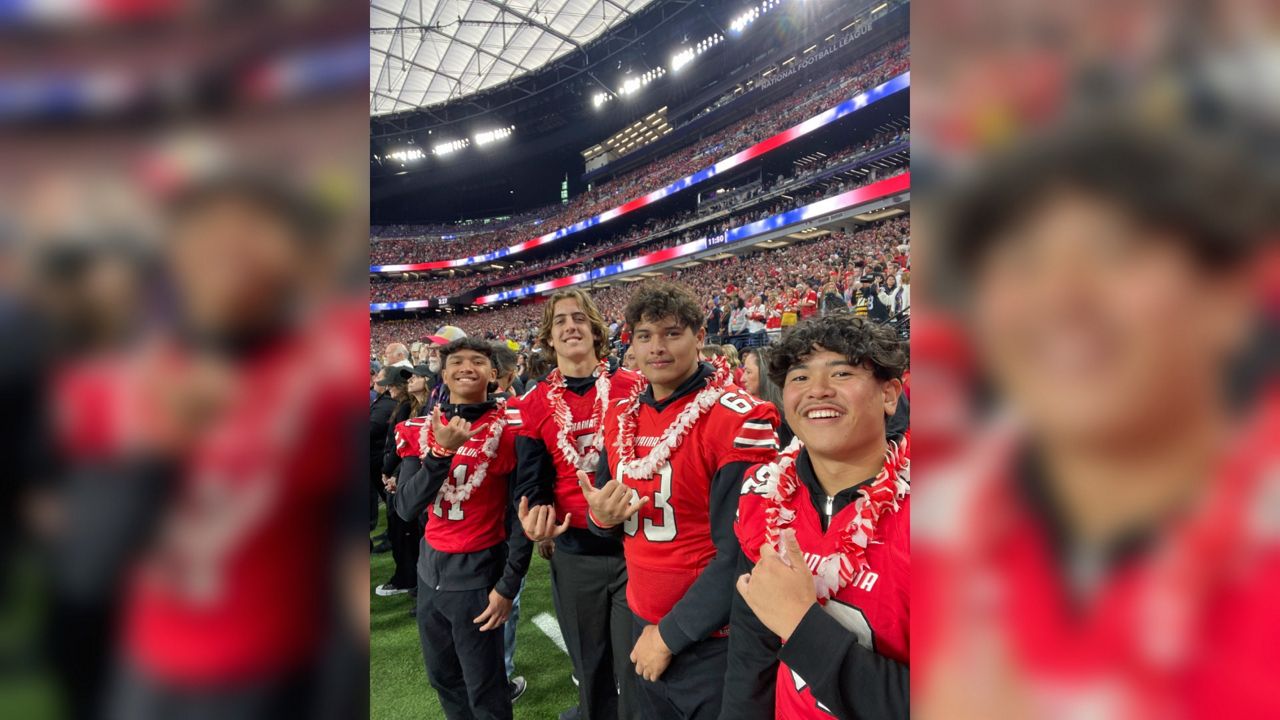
891,485
625,446
456,494
563,417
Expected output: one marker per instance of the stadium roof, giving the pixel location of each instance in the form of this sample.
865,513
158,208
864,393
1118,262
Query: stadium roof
430,52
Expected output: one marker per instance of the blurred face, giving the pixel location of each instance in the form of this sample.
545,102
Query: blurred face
836,408
1096,327
234,264
629,360
667,352
467,374
751,374
571,335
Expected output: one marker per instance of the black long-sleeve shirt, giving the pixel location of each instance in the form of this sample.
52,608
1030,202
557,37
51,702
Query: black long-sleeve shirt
706,604
536,477
853,682
390,457
380,411
501,567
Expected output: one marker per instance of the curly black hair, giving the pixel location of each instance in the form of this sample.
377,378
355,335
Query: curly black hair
1202,191
857,338
659,300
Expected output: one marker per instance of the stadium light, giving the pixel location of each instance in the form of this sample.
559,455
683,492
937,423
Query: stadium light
682,58
489,136
452,146
407,155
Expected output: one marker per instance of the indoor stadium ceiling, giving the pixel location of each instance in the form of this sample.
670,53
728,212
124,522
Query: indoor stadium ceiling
428,52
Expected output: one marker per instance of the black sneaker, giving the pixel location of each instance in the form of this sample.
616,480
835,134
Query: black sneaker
387,589
570,714
517,687
382,547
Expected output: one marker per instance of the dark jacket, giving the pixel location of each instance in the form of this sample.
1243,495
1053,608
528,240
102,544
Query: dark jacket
390,458
380,411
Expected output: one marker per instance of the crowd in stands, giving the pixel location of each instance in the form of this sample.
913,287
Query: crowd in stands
649,236
393,290
842,82
866,272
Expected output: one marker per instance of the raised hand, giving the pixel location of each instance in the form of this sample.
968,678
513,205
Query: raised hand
539,522
454,434
780,589
611,504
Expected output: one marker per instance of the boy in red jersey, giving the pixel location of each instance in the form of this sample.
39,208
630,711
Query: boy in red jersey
559,436
470,567
827,525
667,483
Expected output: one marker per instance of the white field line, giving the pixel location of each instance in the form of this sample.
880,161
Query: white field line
551,629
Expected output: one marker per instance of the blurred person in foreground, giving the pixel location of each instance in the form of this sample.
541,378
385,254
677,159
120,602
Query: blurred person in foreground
196,467
820,627
1111,550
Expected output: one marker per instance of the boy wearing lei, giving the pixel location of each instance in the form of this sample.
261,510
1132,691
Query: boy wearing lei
820,625
470,567
667,484
560,422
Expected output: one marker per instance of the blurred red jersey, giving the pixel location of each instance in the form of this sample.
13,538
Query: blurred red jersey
205,603
1185,628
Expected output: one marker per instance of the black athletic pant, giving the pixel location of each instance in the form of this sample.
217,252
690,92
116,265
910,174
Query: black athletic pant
590,597
464,665
691,687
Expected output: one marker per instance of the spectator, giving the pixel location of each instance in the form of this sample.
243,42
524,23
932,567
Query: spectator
380,410
832,301
756,381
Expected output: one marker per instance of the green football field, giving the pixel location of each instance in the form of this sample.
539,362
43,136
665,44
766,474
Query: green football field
398,687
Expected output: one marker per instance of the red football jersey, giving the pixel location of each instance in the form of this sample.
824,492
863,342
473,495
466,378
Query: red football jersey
535,421
480,521
1186,629
668,542
875,605
808,310
775,317
409,437
203,605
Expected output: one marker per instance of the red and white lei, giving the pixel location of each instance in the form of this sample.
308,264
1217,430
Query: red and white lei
625,446
489,442
563,417
833,572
